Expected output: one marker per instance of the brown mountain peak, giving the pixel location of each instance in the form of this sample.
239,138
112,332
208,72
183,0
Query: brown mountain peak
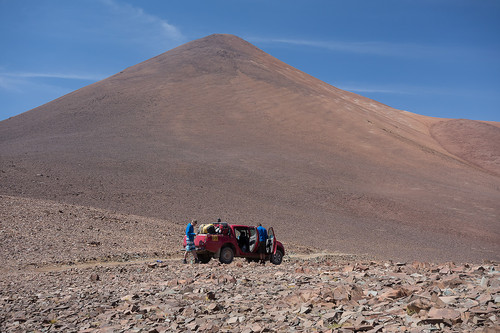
220,54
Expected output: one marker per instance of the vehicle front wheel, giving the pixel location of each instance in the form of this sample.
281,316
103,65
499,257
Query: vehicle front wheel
277,258
226,255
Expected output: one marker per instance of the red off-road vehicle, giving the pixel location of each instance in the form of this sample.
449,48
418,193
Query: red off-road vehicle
226,241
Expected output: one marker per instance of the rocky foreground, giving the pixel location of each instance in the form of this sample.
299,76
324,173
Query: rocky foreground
301,295
66,268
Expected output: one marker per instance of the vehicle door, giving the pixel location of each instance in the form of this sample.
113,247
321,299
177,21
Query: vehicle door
242,239
253,239
271,241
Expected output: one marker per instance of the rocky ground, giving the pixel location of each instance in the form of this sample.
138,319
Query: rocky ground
322,294
68,268
42,232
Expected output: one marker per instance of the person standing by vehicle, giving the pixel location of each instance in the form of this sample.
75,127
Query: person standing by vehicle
262,243
190,247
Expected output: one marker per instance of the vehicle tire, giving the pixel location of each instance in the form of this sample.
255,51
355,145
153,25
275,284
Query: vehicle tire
226,255
204,258
277,258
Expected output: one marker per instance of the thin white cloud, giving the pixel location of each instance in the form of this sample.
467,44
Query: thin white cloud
6,84
136,24
24,82
370,47
19,82
118,26
70,76
404,89
375,89
13,84
25,85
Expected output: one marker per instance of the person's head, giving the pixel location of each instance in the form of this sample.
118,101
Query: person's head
260,224
194,222
219,220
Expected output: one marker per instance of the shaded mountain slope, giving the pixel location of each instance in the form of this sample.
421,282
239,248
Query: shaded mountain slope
218,128
473,141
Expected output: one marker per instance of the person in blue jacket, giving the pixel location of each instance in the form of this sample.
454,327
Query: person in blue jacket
190,247
262,242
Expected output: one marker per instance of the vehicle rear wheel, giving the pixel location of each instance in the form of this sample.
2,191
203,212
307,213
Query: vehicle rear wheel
226,255
204,258
277,258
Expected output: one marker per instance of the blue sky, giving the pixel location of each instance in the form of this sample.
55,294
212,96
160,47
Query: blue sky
438,58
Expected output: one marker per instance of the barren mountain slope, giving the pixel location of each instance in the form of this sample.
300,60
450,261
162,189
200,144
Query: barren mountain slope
218,128
474,141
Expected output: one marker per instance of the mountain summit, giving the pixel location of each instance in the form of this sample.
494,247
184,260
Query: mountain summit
219,128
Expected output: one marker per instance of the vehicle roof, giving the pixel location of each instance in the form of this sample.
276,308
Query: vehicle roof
242,225
236,225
